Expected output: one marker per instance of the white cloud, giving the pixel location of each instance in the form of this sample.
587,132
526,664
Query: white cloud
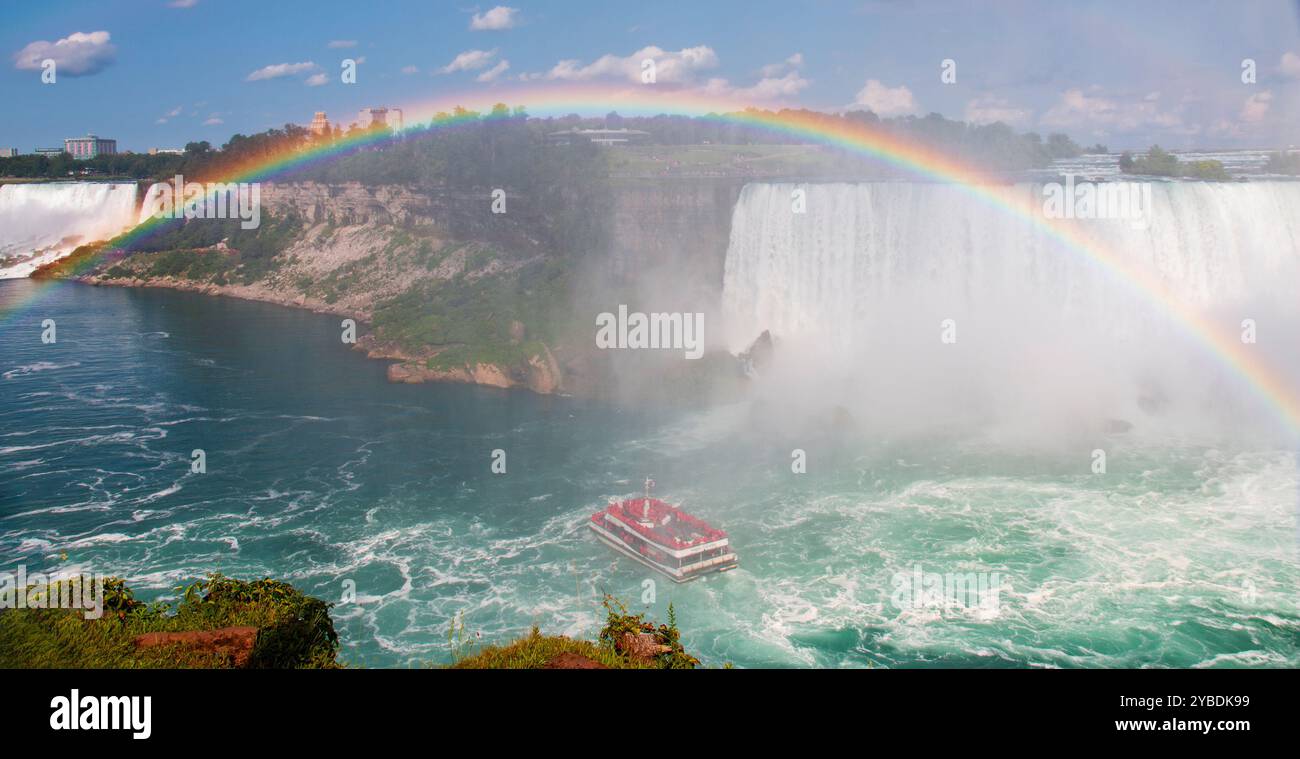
494,72
886,101
684,70
767,88
1075,106
1100,114
173,113
1290,65
316,80
182,3
213,120
78,54
470,60
776,69
342,43
680,67
1256,107
500,17
278,70
987,109
410,69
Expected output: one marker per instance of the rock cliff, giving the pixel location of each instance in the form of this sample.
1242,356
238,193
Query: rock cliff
426,268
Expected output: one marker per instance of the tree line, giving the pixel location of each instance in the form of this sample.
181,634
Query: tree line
464,148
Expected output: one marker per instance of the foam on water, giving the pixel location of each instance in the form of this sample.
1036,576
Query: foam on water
1183,554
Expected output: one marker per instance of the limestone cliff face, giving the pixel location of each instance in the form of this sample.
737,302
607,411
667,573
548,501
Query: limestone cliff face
661,241
667,244
457,215
664,235
349,204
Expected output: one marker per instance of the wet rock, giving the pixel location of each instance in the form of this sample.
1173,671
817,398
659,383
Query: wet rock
760,352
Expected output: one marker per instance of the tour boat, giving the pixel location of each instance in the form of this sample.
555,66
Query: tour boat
663,537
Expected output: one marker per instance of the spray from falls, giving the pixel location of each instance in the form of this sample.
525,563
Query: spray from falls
42,222
918,307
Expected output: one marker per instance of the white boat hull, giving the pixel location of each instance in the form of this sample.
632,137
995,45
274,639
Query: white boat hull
721,563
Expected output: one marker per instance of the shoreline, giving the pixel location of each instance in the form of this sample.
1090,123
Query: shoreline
404,367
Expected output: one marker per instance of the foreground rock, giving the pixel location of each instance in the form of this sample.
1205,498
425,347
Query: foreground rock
235,643
760,353
644,647
542,374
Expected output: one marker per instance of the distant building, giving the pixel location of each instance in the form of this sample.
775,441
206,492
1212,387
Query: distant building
166,151
8,152
389,117
51,152
606,137
90,146
320,125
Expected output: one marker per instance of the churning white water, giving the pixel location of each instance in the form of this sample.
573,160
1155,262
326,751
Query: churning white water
935,300
41,222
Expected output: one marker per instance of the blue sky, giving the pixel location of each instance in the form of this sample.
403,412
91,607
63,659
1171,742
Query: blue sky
149,73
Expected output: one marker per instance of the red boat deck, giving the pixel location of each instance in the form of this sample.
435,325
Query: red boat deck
669,526
664,537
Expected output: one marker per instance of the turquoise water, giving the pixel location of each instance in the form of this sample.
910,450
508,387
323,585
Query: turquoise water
321,472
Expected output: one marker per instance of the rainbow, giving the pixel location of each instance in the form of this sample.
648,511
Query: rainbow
1221,340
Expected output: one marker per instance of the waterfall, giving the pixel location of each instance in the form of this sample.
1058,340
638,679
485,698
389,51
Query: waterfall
41,222
869,276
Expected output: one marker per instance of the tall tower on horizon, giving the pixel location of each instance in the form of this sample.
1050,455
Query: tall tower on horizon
320,125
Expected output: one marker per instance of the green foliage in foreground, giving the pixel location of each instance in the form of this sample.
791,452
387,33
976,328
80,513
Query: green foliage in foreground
295,632
296,629
618,622
534,651
1161,163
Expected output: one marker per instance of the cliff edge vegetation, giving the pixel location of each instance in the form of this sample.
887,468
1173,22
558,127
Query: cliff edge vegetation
627,641
219,622
223,623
